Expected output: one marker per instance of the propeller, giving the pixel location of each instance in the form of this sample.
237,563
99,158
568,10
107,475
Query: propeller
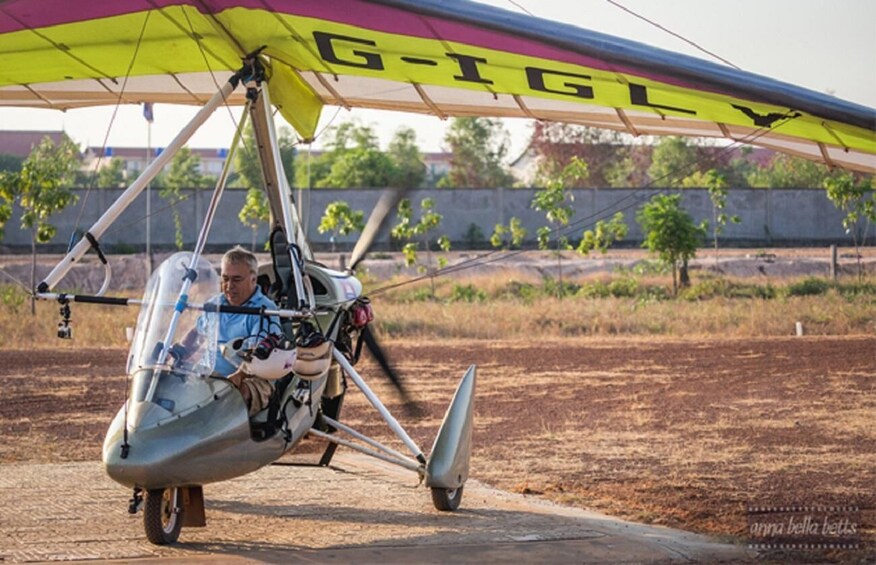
385,205
411,406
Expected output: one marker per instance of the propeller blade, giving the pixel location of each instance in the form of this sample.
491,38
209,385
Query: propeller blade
410,405
385,205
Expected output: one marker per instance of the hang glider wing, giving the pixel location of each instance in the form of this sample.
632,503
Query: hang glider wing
441,57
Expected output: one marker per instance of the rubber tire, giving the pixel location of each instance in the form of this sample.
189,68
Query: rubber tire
446,499
160,519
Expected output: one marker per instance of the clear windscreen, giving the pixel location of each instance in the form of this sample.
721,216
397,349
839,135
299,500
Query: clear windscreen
194,338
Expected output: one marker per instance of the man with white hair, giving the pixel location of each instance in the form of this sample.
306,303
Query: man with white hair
239,288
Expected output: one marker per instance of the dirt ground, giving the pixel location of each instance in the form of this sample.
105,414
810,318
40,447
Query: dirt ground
685,433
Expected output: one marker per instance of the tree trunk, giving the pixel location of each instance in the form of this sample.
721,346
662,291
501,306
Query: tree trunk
559,273
674,278
33,236
683,275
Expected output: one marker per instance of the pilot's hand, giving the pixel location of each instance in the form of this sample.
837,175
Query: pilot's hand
178,352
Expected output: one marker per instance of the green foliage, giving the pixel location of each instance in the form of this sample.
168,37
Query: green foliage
246,161
672,160
610,160
467,293
286,142
787,171
719,287
626,287
112,175
524,291
184,173
354,160
554,201
246,158
408,169
559,288
255,211
418,232
670,232
716,183
12,297
855,196
811,286
479,146
41,188
603,235
473,236
510,236
340,219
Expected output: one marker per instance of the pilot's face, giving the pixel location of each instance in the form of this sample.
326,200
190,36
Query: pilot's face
238,282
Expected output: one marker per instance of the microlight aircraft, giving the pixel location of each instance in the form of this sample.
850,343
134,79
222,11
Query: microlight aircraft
182,428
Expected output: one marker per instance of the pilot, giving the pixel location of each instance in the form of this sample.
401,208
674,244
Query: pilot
239,288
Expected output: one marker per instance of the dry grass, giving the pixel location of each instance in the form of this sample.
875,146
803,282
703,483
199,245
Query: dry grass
514,305
506,307
93,326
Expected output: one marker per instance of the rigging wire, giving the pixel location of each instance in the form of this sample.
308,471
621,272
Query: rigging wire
109,128
633,13
29,291
672,33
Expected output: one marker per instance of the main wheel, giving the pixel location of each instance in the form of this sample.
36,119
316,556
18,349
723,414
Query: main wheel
446,499
162,515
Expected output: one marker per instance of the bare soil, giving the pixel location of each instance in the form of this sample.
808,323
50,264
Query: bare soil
685,433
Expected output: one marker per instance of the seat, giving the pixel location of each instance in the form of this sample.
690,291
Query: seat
283,289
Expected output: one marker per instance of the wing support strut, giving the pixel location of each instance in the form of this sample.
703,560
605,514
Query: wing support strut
130,194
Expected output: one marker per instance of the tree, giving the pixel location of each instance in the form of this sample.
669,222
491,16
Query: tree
184,173
630,169
787,171
353,159
509,236
672,160
607,157
255,211
418,232
113,175
603,235
554,198
479,146
409,171
340,219
553,201
287,144
248,165
854,195
40,188
716,184
670,232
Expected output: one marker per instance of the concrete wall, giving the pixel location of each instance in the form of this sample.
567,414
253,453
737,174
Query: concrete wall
769,217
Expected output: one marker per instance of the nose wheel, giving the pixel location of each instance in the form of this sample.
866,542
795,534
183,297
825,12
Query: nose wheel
446,499
162,515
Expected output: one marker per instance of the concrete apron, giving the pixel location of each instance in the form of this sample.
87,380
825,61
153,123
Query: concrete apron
360,510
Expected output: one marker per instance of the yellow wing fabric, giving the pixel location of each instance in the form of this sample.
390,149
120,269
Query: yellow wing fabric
448,58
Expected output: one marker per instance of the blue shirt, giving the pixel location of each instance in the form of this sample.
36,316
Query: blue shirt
233,326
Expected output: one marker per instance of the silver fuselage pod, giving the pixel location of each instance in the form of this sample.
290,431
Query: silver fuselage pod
194,431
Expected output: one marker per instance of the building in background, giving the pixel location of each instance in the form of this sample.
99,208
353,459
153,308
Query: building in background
134,159
21,143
